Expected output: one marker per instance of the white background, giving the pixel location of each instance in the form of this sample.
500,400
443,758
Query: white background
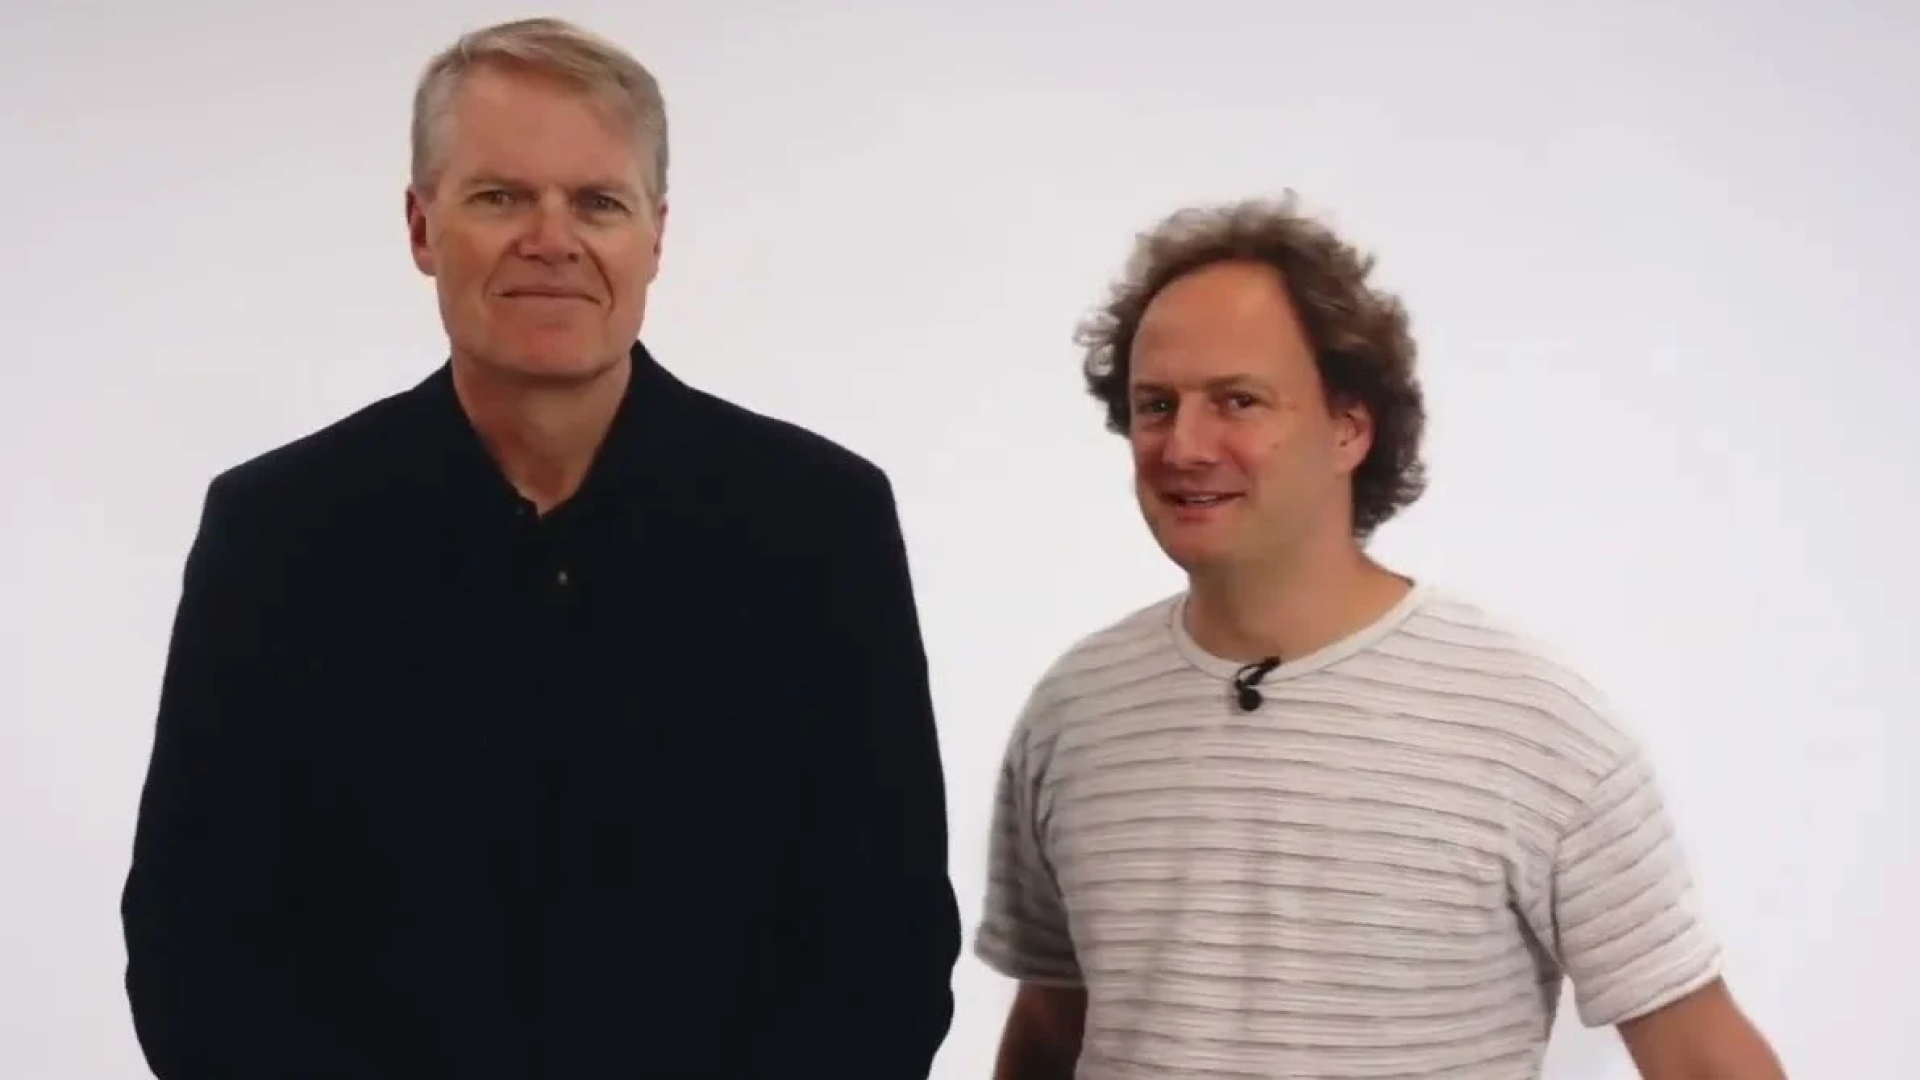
1662,261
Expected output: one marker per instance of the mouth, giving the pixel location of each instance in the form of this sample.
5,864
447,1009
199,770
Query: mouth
544,294
1199,500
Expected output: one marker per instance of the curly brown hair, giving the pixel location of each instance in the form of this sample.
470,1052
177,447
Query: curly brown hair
1360,335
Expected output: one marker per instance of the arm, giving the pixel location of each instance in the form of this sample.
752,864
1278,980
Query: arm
915,935
211,991
877,910
1024,932
1043,1034
1703,1036
1625,924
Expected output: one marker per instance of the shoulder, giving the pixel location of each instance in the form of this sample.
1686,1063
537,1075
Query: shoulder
779,448
1097,671
317,475
794,512
1514,689
1113,653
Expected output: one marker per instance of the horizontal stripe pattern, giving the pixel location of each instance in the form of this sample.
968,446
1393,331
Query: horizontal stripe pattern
1388,870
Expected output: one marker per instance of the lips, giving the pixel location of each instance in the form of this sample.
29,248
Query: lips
546,294
1200,499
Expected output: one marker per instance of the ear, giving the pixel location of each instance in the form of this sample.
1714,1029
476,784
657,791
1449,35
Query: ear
1352,435
418,234
659,229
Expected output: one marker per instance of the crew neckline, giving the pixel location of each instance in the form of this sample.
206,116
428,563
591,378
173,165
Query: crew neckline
1332,653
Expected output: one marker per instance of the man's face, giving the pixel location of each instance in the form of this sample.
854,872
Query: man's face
538,230
1237,456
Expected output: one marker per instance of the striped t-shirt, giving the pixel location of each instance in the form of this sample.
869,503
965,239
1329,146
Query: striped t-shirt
1386,870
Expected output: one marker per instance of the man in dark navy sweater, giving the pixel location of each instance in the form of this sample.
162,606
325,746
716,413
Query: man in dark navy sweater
552,719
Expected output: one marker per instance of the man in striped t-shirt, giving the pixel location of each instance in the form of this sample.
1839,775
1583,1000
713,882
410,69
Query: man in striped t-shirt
1310,818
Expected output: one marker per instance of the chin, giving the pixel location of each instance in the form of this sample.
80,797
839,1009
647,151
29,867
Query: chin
568,368
1194,559
1187,549
551,362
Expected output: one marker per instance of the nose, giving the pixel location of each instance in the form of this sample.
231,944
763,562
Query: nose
1191,440
549,235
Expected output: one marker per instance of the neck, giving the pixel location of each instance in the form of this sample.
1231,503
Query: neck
1291,610
543,434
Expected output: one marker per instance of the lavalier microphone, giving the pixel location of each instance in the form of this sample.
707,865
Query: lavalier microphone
1246,681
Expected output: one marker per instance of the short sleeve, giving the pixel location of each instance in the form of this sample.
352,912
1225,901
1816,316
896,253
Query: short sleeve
1023,932
1625,918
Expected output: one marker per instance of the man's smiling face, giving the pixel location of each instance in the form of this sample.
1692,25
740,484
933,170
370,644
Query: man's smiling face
538,227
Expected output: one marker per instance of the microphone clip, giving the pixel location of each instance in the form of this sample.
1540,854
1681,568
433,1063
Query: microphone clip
1246,681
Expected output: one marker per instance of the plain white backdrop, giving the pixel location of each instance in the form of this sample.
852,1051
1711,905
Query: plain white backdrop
1662,259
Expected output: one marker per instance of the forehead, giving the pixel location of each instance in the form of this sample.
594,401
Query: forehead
537,129
1221,321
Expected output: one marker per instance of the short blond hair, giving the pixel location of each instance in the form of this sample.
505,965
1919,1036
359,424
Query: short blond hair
554,48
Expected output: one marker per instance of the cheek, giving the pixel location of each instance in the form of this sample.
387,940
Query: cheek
1254,454
1146,453
468,258
627,267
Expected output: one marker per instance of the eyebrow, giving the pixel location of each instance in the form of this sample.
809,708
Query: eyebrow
481,180
1216,384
